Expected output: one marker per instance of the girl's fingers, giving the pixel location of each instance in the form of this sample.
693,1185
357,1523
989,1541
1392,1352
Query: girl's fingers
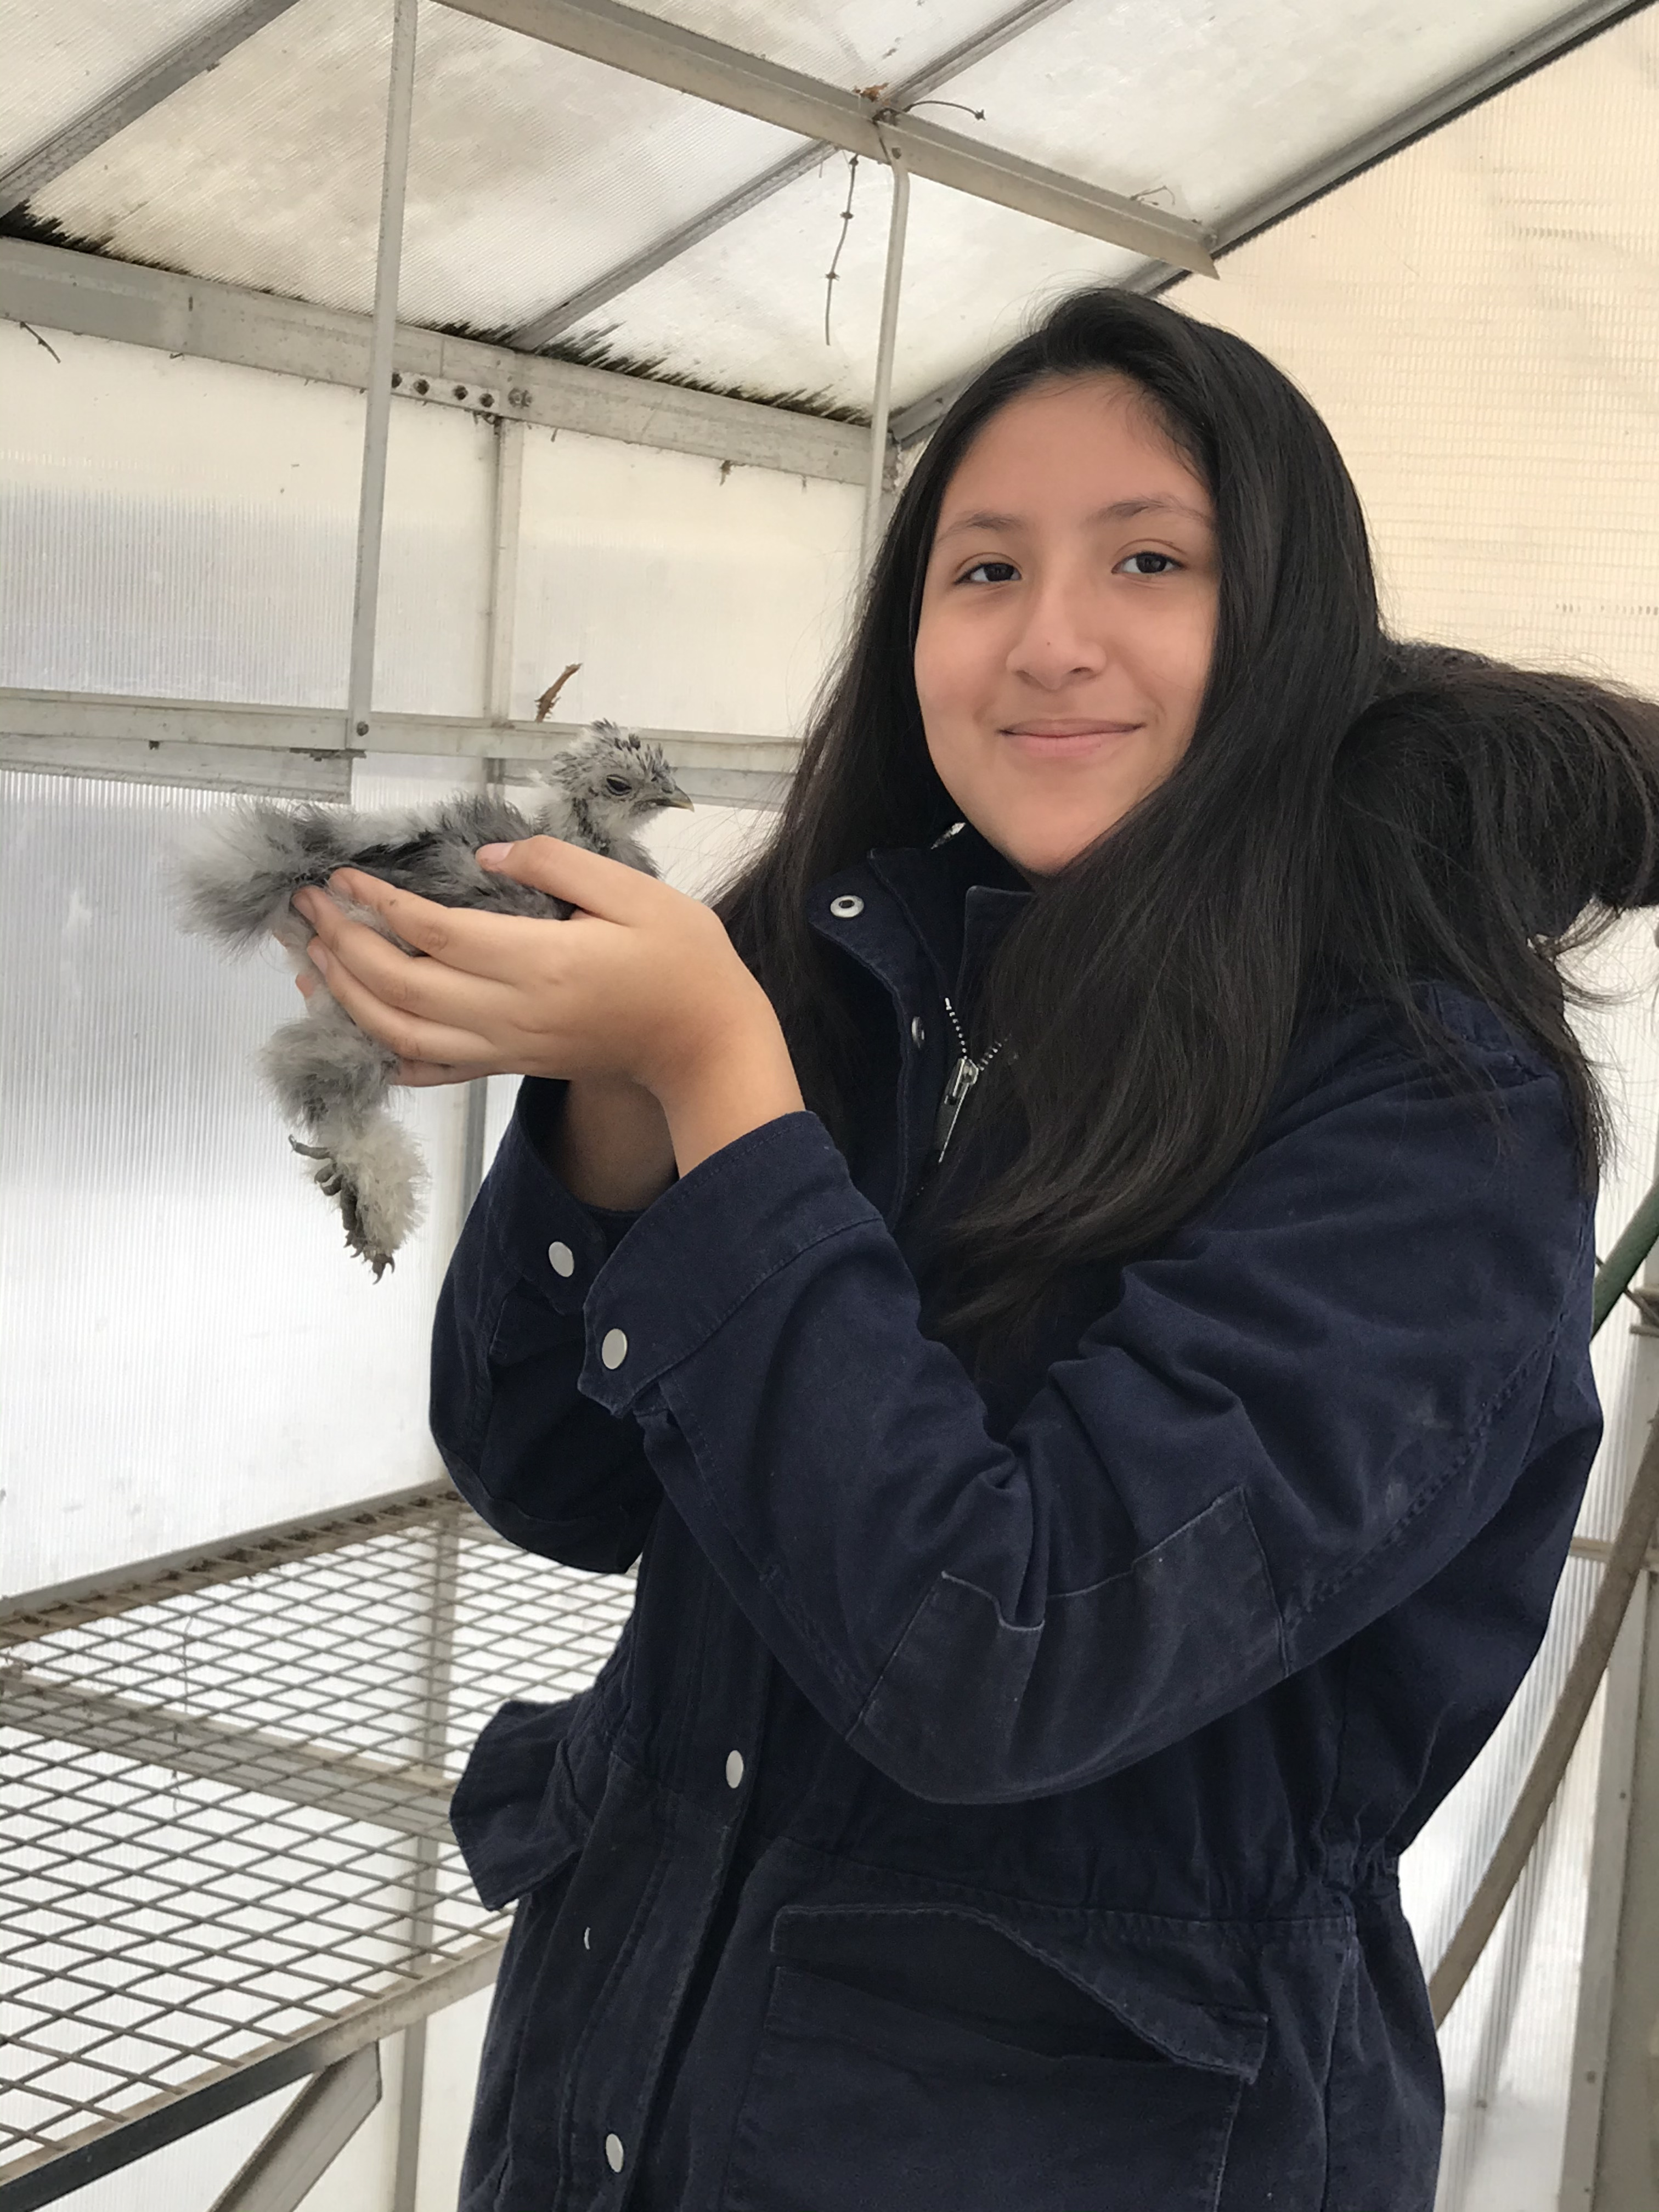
587,879
410,1036
428,989
427,1074
477,943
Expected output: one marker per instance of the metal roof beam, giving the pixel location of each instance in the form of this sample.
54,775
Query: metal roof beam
102,733
667,53
626,274
57,289
1502,69
179,65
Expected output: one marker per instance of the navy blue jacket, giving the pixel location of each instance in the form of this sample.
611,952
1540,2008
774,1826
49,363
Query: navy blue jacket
996,1797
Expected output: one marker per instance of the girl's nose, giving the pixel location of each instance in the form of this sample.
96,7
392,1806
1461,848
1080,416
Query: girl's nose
1062,641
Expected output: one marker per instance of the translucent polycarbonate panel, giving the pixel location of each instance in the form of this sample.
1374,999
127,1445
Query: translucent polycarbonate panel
62,59
853,44
1213,107
1201,111
534,173
1476,321
972,274
698,853
186,1347
694,595
531,170
187,529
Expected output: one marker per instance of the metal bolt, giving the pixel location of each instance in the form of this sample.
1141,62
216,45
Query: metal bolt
486,399
518,397
362,729
396,378
422,386
460,391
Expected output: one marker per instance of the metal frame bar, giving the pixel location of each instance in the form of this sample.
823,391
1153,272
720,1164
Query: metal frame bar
502,613
720,766
1508,67
239,768
179,66
308,2139
963,56
443,1598
411,1799
71,2166
1625,1568
24,1614
1598,1972
892,279
55,289
382,349
667,53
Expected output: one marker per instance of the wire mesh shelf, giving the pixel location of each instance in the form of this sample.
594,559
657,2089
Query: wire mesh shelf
225,1793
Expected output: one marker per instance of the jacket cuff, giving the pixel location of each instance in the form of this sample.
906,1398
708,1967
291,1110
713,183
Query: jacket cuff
543,1233
707,1244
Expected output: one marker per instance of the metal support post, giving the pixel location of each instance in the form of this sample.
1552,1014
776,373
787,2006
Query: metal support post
1599,1973
433,1736
308,2139
882,403
377,418
503,607
501,615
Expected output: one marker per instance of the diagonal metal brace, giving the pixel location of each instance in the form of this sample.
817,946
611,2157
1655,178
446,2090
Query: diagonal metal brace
308,2139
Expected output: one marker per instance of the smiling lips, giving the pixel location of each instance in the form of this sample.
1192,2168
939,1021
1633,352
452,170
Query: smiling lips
1061,740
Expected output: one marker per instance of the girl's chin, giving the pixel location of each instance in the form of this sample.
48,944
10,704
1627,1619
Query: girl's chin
1043,853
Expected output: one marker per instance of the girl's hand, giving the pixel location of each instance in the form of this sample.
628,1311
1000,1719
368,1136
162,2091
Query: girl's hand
641,982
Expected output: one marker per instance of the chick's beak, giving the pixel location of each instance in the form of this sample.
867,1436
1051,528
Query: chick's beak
676,797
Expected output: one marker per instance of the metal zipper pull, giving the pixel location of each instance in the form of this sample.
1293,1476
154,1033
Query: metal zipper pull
964,1076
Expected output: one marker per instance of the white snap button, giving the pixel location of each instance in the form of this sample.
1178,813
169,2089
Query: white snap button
614,1350
846,907
562,1259
918,1030
614,2153
733,1770
587,1939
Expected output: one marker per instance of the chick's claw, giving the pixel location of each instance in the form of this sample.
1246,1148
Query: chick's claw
336,1180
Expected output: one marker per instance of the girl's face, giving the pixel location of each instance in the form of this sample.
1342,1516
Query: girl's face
1068,616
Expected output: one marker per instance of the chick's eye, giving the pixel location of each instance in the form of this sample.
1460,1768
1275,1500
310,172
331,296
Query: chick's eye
989,572
1166,561
617,786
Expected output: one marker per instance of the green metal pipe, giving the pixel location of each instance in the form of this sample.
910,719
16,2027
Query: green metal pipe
1614,1275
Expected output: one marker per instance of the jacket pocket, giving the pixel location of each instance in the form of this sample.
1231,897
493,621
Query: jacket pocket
918,2062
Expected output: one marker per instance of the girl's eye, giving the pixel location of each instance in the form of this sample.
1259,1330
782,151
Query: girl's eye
1167,561
990,572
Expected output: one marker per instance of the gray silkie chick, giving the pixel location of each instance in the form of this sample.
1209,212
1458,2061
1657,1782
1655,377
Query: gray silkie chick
236,872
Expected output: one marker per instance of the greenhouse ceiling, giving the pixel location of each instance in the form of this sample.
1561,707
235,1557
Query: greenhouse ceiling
665,190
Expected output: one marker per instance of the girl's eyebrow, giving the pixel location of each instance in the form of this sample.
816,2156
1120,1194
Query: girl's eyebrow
1121,510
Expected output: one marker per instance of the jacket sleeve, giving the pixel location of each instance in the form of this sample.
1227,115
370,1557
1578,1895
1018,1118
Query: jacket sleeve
1295,1413
552,1470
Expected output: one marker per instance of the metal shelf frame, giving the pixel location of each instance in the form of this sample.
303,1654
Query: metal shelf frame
227,1775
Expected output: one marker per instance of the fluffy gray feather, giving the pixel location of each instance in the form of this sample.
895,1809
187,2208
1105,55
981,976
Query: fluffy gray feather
236,872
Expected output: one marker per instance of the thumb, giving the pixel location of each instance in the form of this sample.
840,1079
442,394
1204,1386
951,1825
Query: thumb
587,879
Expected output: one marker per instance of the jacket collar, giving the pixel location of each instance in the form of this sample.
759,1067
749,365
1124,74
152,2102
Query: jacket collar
927,918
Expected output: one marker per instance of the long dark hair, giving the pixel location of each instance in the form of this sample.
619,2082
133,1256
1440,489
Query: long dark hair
1352,815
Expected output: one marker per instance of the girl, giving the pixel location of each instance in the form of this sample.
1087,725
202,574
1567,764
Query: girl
1073,1285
